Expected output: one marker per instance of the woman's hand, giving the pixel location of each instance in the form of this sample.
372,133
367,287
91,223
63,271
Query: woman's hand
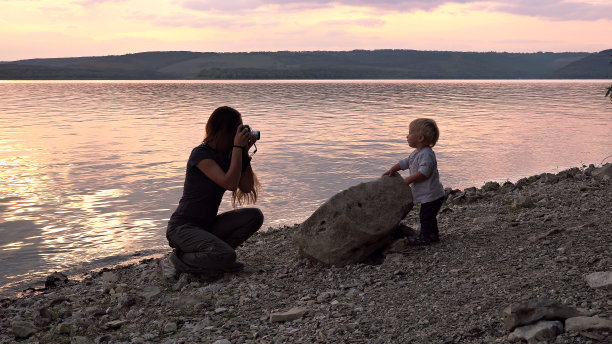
242,137
251,142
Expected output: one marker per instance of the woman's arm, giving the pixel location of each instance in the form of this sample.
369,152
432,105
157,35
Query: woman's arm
228,180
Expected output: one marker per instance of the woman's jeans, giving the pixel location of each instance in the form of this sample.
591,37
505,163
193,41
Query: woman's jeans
198,250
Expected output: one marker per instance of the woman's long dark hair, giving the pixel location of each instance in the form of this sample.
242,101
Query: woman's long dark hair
221,129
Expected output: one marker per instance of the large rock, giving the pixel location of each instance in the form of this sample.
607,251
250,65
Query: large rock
529,312
356,222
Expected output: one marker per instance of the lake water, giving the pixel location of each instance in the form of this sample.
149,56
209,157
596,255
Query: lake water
90,172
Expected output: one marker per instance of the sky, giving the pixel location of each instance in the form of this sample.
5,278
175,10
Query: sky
70,28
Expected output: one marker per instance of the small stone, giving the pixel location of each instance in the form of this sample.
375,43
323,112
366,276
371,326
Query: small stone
593,336
491,186
202,324
115,324
325,296
64,328
561,259
168,271
109,277
604,172
23,329
133,313
43,318
170,327
150,291
149,336
95,311
56,279
292,314
104,339
222,341
577,324
529,312
547,234
599,279
80,340
541,331
183,280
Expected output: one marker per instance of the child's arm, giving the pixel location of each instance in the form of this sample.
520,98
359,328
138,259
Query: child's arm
417,177
392,170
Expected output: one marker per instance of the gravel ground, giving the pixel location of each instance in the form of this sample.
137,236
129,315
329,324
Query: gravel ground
534,239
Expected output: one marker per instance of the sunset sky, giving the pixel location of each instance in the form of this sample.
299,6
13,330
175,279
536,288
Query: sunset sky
65,28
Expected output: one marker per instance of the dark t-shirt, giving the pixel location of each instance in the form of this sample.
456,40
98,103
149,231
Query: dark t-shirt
201,196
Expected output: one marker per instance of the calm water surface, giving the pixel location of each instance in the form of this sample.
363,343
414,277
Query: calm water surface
90,172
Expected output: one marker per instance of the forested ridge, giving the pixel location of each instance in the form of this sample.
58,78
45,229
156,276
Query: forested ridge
356,64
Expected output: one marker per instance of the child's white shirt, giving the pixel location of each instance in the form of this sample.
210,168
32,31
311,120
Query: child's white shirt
424,161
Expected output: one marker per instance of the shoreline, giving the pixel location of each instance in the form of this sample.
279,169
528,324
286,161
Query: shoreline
500,244
14,288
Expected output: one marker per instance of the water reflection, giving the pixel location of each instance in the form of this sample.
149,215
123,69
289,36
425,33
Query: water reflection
91,170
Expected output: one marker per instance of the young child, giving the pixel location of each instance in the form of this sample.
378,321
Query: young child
424,178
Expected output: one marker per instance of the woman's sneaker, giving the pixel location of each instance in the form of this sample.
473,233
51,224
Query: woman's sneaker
177,263
234,267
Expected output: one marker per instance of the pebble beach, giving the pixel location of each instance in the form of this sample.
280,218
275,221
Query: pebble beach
501,244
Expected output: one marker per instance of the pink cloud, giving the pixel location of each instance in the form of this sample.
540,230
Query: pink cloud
89,3
553,9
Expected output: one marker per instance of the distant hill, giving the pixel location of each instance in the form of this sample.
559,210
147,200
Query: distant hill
356,64
37,72
397,64
594,66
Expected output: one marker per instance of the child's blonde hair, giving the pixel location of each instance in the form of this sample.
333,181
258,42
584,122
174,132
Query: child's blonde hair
426,127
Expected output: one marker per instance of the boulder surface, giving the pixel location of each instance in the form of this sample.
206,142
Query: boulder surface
356,222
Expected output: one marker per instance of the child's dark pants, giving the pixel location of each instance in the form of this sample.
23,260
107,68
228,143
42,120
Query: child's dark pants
429,223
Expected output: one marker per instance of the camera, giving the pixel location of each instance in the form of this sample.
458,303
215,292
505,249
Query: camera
255,133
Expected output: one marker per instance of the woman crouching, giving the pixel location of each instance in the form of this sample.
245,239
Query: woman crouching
202,240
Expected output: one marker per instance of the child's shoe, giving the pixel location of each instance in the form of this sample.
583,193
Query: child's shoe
422,241
404,231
